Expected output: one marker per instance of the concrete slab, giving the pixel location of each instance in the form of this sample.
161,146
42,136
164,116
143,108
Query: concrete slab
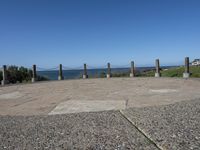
172,127
42,98
162,90
12,95
75,106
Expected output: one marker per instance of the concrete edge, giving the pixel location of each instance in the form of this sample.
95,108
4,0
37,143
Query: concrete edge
52,81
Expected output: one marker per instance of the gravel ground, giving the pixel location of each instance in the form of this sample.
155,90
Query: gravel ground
173,127
102,130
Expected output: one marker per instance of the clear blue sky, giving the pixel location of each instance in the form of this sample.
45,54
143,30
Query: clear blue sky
49,32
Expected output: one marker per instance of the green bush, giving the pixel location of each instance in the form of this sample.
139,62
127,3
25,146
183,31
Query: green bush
17,74
120,74
150,73
102,75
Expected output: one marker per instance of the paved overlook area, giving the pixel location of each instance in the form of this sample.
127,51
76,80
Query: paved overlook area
116,113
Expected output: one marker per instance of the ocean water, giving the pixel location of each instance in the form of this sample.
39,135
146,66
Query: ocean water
75,74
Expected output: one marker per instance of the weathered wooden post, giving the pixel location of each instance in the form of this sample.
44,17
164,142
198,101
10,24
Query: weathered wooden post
60,76
157,74
132,74
85,76
108,71
34,74
4,73
186,74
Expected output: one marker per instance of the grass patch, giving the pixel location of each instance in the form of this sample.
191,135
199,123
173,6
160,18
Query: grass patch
175,72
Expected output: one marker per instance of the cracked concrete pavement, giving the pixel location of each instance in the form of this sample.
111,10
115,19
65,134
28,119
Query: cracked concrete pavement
42,98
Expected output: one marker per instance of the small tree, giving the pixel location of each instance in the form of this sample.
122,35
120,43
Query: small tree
20,74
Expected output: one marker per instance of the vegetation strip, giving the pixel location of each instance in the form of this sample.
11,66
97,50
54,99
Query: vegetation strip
139,130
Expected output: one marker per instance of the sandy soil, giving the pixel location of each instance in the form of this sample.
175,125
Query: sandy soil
42,98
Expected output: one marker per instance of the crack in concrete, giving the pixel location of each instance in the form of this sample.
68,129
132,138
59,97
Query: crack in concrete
139,130
126,103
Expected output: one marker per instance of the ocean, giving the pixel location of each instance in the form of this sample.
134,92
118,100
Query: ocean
75,74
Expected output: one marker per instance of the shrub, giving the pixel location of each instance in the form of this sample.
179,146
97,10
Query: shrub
17,74
102,75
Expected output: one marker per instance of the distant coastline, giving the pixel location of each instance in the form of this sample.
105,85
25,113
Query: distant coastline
94,73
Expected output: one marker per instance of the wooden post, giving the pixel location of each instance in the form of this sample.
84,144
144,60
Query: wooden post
4,73
132,74
108,71
60,76
157,74
85,76
186,74
34,74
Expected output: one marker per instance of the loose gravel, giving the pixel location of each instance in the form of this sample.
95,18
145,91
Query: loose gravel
102,130
172,127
